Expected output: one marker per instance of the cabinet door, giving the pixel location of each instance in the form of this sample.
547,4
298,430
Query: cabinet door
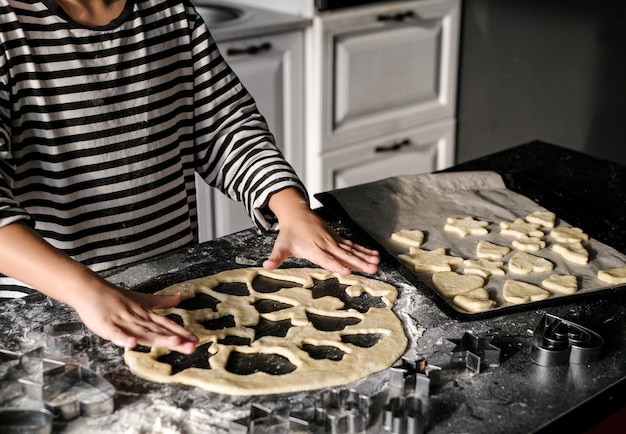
271,68
388,68
414,151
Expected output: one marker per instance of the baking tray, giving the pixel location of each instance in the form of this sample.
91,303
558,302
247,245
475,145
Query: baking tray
425,201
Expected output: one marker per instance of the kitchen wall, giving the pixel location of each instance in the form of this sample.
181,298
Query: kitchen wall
551,70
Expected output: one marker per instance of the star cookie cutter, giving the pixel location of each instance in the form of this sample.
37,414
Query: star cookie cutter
343,411
474,352
407,410
557,341
263,419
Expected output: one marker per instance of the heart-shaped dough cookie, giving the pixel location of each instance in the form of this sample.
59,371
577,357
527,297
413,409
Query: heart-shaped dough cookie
525,263
451,284
517,292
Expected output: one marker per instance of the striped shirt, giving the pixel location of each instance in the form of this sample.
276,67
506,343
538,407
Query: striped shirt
102,129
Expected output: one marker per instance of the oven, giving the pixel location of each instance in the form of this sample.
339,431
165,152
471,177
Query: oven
324,5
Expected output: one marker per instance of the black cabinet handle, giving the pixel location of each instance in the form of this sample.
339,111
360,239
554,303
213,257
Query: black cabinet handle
251,50
400,16
395,147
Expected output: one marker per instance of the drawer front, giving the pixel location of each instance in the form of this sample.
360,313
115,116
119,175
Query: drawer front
414,151
392,68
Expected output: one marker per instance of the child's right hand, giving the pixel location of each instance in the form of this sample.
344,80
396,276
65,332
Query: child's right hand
125,318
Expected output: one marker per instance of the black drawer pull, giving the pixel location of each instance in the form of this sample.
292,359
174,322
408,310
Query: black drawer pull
251,50
395,147
400,16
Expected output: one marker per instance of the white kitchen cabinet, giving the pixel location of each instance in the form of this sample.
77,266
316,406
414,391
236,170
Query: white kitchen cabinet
381,73
271,68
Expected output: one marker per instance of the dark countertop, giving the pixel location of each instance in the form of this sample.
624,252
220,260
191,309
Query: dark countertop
515,397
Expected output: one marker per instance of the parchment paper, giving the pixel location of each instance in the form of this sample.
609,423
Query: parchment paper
424,202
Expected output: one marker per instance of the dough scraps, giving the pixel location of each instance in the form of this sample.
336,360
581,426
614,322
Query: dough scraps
520,228
564,284
413,238
526,263
466,226
573,252
569,235
517,292
613,276
282,331
545,219
450,283
483,267
424,261
488,250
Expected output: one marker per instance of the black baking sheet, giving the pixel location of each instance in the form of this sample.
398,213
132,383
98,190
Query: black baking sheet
425,201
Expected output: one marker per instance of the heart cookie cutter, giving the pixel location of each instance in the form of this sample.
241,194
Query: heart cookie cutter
557,341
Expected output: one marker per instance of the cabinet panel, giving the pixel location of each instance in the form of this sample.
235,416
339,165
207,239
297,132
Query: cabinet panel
387,68
421,150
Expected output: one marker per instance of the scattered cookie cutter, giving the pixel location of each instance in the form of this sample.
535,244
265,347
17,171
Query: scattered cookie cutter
343,411
474,352
22,376
407,410
66,390
557,341
262,419
20,420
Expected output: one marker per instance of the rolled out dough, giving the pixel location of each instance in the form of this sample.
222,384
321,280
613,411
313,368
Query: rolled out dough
296,307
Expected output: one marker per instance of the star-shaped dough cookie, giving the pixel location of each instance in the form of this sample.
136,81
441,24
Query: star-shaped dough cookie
544,218
413,238
573,252
466,226
529,243
613,276
424,261
483,267
568,235
488,250
520,228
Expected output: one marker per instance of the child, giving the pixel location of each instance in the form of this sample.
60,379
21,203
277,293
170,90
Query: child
107,108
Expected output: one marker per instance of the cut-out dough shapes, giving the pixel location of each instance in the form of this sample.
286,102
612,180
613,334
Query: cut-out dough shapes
483,267
488,250
526,263
520,228
450,284
466,226
517,292
424,261
412,238
573,252
564,284
613,276
545,219
568,235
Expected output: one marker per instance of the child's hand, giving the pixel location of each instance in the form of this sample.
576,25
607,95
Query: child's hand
125,318
303,234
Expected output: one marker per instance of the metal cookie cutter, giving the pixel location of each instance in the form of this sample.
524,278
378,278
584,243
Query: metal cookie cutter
408,408
22,376
79,392
265,420
343,411
20,421
474,352
557,341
